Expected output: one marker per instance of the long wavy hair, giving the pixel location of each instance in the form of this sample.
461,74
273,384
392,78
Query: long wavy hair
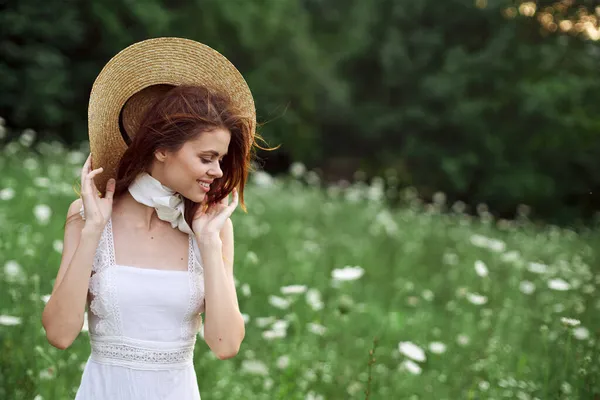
180,115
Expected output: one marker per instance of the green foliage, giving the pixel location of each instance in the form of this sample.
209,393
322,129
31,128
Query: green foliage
483,299
453,97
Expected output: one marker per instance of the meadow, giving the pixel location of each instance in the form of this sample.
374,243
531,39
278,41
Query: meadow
344,297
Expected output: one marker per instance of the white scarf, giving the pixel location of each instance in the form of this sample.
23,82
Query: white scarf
169,205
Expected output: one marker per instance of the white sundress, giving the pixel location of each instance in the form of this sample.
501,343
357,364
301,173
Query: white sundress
143,325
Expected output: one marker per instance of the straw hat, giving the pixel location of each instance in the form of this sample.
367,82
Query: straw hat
132,80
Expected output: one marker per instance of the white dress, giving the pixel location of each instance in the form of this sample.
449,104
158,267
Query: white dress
143,325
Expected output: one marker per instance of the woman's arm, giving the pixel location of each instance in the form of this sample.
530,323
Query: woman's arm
63,314
223,322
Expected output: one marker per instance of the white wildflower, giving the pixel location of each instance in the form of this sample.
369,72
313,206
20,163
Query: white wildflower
283,361
27,137
347,273
274,334
264,321
13,272
262,179
488,243
384,220
527,287
459,207
46,374
411,366
581,333
463,340
537,268
317,329
245,288
9,320
511,256
42,213
297,169
427,295
570,321
279,302
566,388
255,367
558,284
450,259
293,289
312,178
477,299
437,347
496,245
7,193
313,298
411,350
481,269
57,245
252,257
42,182
280,325
75,157
314,396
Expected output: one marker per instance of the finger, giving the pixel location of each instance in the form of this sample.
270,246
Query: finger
93,182
110,189
85,168
235,199
225,200
90,185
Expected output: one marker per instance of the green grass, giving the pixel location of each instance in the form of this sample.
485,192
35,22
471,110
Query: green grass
417,286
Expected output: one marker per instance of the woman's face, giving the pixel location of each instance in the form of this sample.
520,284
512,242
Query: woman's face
191,170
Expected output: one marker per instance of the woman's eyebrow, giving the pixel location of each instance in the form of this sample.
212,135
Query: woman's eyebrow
213,152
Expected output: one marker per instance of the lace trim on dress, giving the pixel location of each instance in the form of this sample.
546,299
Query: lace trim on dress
191,324
141,354
102,287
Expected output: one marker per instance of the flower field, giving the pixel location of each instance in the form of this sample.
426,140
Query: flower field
344,297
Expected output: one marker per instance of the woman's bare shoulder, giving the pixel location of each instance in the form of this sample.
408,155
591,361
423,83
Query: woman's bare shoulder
74,207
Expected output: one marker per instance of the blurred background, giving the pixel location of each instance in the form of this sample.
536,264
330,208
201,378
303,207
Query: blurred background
486,101
427,229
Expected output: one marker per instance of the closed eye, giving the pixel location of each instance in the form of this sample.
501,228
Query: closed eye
205,161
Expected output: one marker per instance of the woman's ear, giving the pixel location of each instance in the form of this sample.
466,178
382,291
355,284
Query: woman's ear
160,155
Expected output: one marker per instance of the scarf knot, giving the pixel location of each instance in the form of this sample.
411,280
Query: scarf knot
168,204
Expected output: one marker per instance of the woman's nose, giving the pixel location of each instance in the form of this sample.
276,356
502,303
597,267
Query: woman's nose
217,172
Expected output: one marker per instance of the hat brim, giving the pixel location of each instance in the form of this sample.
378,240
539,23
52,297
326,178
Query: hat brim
158,61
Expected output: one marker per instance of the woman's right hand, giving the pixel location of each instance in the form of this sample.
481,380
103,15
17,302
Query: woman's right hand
97,209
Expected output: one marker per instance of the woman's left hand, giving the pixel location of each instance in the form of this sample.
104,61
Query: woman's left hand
207,224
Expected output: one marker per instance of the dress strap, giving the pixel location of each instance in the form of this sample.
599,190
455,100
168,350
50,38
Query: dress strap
105,255
110,243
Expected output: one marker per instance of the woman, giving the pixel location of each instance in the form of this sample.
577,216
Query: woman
146,283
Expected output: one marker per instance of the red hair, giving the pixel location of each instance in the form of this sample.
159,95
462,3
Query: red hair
182,114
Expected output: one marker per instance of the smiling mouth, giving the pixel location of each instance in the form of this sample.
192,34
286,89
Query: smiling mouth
205,186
